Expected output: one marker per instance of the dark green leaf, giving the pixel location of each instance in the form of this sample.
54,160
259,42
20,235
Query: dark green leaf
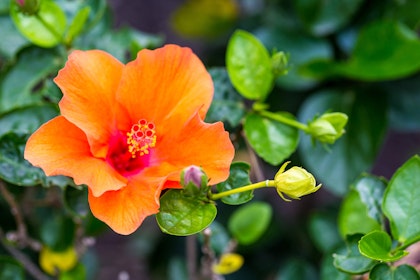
76,200
352,261
183,215
384,50
404,101
323,231
384,272
401,203
238,177
249,222
296,269
122,44
11,41
354,216
32,67
357,149
329,271
10,269
271,140
219,238
177,269
26,119
301,48
227,105
249,66
324,17
371,190
16,170
377,245
57,231
45,28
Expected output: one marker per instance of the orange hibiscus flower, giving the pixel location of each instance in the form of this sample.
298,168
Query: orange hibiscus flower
127,131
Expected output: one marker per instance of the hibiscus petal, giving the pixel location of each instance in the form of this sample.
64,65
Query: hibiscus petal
89,82
166,83
124,210
196,143
60,148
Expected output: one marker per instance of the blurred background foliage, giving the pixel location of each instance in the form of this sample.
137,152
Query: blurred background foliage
353,56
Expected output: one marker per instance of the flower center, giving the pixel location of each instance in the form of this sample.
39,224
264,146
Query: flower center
141,138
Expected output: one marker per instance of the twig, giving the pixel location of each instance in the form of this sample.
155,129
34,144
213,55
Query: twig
14,209
23,259
191,256
21,236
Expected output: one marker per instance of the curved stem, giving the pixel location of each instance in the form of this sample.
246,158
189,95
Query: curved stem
263,184
283,119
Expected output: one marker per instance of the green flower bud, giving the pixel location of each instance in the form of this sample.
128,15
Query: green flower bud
328,127
295,182
279,62
28,7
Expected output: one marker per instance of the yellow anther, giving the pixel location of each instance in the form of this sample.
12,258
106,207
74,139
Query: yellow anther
141,138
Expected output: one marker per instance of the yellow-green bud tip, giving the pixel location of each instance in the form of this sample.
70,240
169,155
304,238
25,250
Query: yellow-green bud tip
295,182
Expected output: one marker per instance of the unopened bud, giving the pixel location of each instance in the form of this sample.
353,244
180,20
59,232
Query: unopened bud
279,62
295,182
328,127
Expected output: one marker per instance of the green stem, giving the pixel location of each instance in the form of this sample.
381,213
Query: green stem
263,184
283,119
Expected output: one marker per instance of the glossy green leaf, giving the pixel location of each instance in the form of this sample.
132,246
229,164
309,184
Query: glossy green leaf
249,222
384,50
301,49
271,140
32,67
26,119
325,223
10,269
371,190
45,28
354,216
76,200
238,177
377,245
78,23
183,215
383,271
322,17
352,261
401,204
249,66
16,170
227,105
57,230
356,150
